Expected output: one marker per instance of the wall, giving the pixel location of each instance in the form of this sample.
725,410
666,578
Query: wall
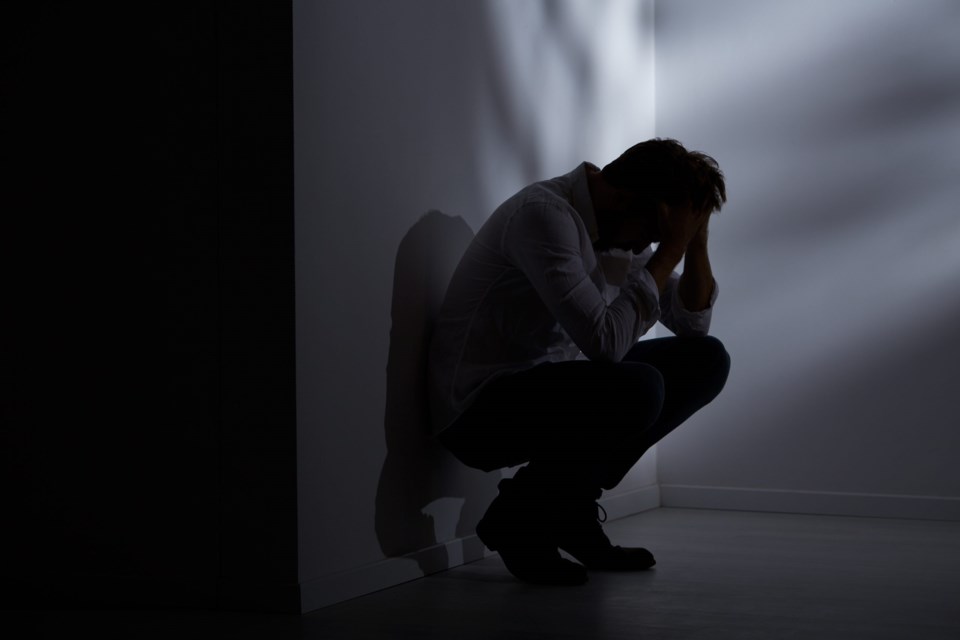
401,108
147,346
148,331
837,126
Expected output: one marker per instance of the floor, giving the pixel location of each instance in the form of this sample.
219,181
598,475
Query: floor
720,574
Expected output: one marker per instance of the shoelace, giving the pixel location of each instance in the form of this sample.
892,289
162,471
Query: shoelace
604,518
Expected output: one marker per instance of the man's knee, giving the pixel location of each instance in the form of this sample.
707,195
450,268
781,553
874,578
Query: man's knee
713,360
714,353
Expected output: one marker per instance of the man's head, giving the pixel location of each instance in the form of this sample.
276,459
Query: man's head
628,192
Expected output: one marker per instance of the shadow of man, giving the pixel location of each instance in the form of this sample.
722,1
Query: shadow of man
425,496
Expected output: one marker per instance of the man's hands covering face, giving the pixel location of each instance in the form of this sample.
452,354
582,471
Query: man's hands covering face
679,226
683,231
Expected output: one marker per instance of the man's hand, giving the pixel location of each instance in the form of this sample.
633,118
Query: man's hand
678,229
699,239
679,225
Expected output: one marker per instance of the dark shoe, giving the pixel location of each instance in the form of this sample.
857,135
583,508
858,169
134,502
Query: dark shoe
584,539
513,527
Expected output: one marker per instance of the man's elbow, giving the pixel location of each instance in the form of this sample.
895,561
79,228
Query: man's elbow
692,332
601,356
605,351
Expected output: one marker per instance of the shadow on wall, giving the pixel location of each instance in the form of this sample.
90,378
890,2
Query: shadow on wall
425,497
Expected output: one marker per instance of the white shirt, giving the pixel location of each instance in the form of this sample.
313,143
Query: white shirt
530,289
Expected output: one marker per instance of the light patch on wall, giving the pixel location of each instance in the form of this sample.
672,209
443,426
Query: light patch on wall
569,81
838,127
445,514
400,108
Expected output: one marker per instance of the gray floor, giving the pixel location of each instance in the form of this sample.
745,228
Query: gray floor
720,574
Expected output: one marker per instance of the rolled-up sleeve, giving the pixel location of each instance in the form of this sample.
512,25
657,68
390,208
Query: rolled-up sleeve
673,315
680,320
547,245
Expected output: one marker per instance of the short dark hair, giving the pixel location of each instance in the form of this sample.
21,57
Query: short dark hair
662,170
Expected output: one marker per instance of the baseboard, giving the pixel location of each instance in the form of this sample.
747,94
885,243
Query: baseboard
811,502
631,502
346,585
338,587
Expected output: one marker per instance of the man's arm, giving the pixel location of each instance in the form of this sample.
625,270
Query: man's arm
679,229
662,264
696,281
547,246
689,313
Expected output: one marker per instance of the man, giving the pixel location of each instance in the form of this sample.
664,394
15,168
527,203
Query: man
535,357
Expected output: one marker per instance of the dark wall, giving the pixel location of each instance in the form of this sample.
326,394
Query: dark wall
148,407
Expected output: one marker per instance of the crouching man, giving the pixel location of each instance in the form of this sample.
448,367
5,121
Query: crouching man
535,356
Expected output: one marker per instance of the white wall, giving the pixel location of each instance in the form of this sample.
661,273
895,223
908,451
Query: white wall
838,126
402,107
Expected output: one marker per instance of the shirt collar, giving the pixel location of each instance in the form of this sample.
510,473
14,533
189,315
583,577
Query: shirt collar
582,201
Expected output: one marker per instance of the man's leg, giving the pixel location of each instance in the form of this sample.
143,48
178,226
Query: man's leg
582,426
564,419
694,371
567,420
587,423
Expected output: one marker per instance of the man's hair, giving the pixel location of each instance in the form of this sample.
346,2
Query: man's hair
662,170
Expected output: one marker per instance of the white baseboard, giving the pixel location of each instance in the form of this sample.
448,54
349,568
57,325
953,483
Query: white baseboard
811,502
338,587
631,502
328,590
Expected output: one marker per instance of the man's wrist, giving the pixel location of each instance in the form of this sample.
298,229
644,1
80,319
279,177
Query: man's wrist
697,248
699,239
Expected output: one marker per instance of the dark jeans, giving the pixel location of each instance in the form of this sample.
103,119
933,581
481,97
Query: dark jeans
582,425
